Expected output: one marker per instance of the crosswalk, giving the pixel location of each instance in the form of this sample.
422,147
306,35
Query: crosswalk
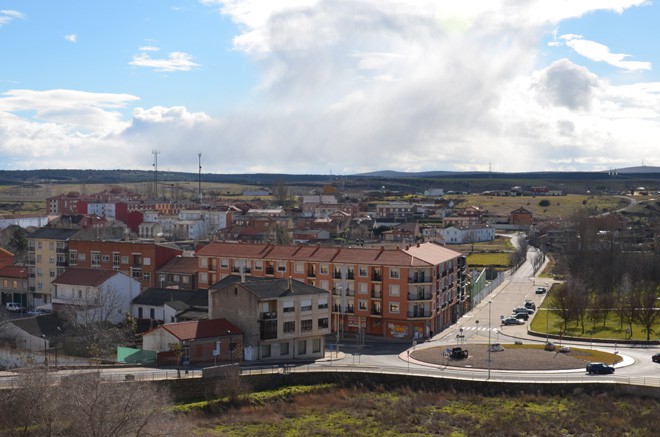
481,328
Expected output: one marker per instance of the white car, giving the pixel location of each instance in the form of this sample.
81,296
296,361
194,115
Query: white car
14,307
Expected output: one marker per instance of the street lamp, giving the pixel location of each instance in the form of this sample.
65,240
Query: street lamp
45,350
231,349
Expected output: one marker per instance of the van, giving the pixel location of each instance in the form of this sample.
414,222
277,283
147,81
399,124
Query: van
13,306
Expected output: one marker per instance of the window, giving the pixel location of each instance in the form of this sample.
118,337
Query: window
203,261
115,260
363,305
324,284
394,308
284,348
323,302
299,267
203,277
316,345
289,327
51,245
306,325
281,266
152,313
323,269
124,259
363,271
52,260
38,244
96,259
147,276
185,279
323,323
306,305
51,273
38,259
265,351
288,306
73,258
105,258
259,266
302,347
363,288
394,273
146,261
224,263
139,312
176,278
394,290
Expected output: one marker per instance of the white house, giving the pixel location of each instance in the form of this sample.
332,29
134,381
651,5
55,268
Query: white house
95,295
468,234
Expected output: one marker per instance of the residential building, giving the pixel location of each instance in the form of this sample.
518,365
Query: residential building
95,295
468,234
6,258
138,259
47,259
521,217
202,342
161,305
180,272
14,286
403,293
281,319
395,211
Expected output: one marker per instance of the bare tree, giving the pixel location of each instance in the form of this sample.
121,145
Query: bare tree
645,301
561,300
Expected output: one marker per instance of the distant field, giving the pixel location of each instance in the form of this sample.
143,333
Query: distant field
488,259
560,206
500,244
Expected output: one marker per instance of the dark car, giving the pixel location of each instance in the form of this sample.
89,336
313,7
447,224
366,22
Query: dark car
530,305
541,290
511,320
656,358
600,368
522,316
458,353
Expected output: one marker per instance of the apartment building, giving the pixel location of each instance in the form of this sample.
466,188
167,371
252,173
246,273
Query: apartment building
14,286
47,259
138,259
280,318
400,293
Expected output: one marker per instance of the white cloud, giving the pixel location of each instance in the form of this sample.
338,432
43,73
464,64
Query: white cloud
601,53
175,61
149,49
7,15
71,38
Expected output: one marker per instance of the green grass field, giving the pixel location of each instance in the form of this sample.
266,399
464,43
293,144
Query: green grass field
488,259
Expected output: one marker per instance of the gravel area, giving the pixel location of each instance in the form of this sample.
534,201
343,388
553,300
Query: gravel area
508,359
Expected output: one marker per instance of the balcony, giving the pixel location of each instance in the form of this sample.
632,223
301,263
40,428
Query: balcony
268,315
311,274
419,314
376,312
419,296
270,270
338,309
376,277
419,278
376,294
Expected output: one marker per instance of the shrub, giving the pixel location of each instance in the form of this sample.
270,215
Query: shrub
544,203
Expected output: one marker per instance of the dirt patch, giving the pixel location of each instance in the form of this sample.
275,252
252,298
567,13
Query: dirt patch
508,359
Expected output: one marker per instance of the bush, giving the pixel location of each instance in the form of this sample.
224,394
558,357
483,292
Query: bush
544,203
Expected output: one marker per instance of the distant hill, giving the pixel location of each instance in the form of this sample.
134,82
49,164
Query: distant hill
642,169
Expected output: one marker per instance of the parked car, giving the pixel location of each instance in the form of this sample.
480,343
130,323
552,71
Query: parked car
523,310
600,368
14,306
38,312
656,358
458,353
522,316
511,320
530,305
541,290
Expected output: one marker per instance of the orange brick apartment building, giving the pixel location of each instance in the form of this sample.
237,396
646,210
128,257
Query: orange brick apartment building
389,292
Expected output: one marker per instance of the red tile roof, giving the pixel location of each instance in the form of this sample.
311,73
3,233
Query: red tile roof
89,277
181,264
432,253
201,329
14,272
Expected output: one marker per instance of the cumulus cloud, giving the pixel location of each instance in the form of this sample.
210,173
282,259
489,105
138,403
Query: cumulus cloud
601,53
566,84
175,61
71,38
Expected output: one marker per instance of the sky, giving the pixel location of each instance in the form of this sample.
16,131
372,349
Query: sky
329,86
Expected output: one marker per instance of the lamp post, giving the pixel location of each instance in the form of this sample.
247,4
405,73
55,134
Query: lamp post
547,324
45,350
231,349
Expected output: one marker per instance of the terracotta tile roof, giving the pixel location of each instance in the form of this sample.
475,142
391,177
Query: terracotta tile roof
432,253
89,277
14,272
274,288
201,329
181,264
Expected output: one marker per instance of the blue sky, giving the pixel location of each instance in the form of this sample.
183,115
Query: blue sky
316,86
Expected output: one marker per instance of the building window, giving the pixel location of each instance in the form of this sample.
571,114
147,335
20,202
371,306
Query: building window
203,278
363,271
185,279
306,325
176,278
316,345
288,306
259,266
363,288
363,305
324,284
306,305
284,349
394,290
152,313
281,266
224,263
302,347
52,260
299,267
116,259
323,303
139,312
147,276
51,273
323,323
73,258
124,259
203,261
323,269
394,273
96,259
146,261
265,351
105,258
289,327
394,308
